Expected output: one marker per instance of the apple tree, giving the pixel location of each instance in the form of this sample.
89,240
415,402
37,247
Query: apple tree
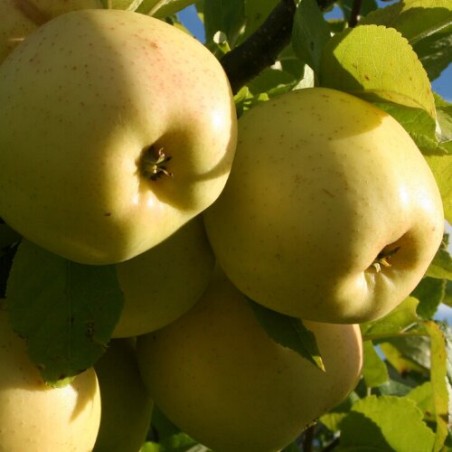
213,164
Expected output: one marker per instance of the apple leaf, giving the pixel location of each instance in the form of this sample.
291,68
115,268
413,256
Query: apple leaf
377,64
427,24
441,346
403,318
441,267
385,423
310,33
430,293
441,166
423,396
375,372
408,353
163,8
289,332
226,16
256,11
65,311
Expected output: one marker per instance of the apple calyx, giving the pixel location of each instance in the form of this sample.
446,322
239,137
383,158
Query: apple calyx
382,259
31,12
153,163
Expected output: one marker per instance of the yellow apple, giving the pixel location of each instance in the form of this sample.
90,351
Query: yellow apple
331,212
219,377
35,417
21,17
115,130
163,283
126,405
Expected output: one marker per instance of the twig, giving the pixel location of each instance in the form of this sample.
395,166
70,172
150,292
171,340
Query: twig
262,48
354,13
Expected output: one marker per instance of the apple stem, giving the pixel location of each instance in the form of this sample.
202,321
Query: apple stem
382,258
153,163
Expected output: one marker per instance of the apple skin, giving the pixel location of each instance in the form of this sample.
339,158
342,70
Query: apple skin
35,417
21,17
217,375
322,183
163,283
90,101
126,405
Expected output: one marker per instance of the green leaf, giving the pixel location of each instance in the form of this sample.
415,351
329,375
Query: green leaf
444,120
441,166
65,311
427,24
377,64
310,33
399,320
408,353
166,8
423,396
385,423
430,293
375,372
256,11
419,124
441,266
289,332
127,5
440,338
226,16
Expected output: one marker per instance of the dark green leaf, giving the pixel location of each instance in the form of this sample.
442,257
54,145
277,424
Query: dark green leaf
226,16
289,332
65,311
310,33
430,293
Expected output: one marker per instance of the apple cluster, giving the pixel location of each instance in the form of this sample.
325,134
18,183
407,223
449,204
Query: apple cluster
120,145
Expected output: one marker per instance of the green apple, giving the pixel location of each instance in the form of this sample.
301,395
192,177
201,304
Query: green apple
35,417
163,283
115,130
331,212
21,17
126,405
218,376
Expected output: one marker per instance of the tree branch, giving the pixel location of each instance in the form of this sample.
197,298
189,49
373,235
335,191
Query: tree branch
262,48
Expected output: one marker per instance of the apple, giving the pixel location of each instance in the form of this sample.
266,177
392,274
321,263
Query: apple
126,405
331,212
217,375
116,129
35,417
163,283
21,17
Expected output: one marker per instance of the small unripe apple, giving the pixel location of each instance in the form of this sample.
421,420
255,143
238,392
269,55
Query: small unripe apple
163,283
331,212
35,417
218,376
21,17
126,405
115,130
